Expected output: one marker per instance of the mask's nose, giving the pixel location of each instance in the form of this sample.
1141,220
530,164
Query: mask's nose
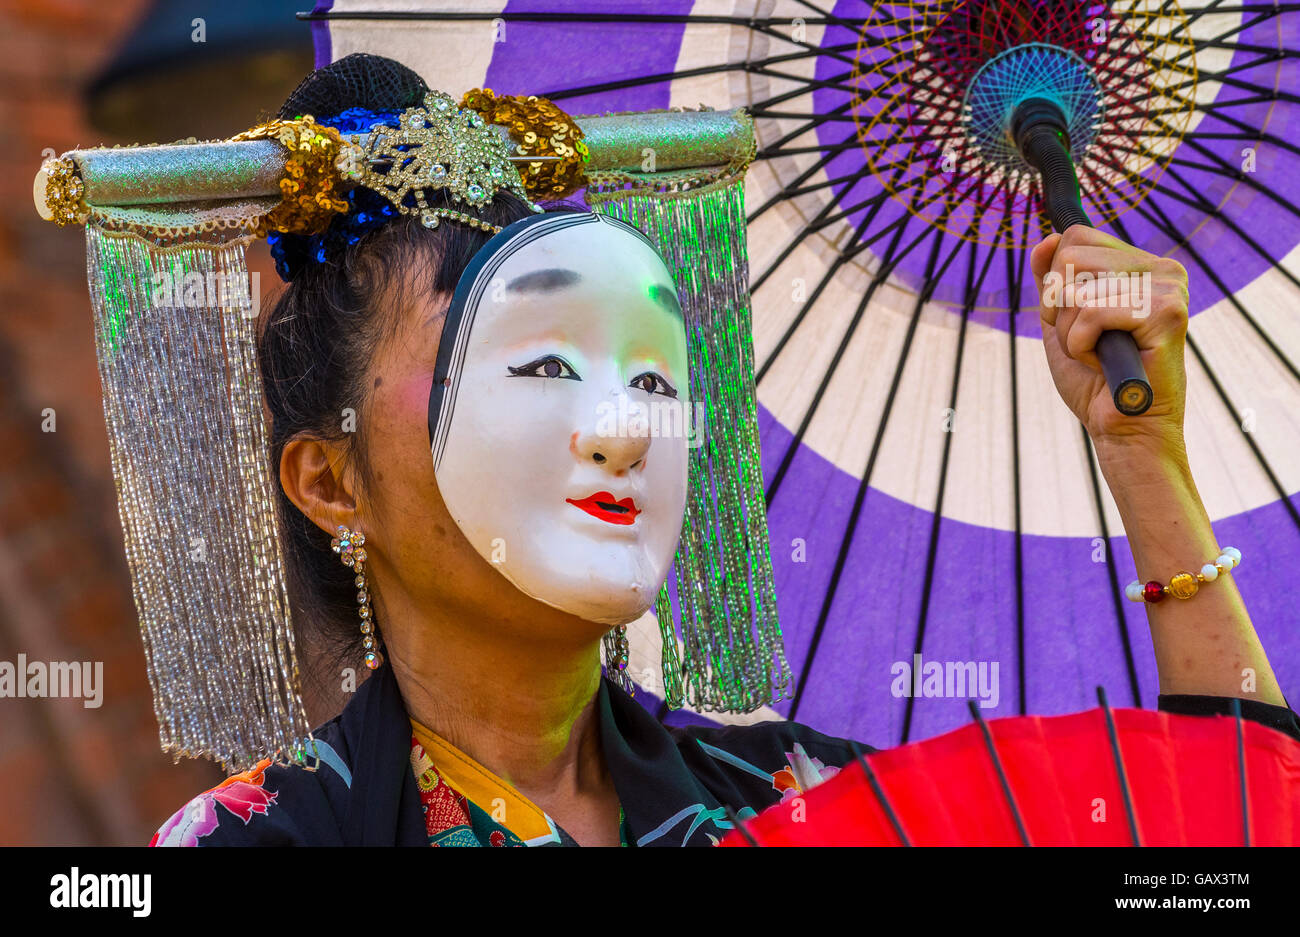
616,453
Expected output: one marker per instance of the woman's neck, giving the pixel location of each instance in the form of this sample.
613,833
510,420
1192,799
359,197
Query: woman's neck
526,712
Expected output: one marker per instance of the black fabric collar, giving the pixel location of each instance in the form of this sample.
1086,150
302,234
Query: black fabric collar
654,783
384,806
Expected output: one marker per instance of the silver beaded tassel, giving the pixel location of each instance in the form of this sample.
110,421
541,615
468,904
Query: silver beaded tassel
183,405
733,657
617,656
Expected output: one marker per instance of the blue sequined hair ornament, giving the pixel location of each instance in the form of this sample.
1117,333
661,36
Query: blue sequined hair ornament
368,210
433,152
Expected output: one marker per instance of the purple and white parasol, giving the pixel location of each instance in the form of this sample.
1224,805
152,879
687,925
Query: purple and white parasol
928,492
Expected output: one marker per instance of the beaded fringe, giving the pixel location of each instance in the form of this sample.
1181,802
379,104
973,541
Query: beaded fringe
183,406
732,657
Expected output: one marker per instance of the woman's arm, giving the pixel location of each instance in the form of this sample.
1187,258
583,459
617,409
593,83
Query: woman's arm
1205,645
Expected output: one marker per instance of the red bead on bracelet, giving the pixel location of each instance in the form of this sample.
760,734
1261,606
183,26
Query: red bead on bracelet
1184,585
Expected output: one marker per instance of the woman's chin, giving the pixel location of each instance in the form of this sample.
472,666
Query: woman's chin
612,606
610,586
590,598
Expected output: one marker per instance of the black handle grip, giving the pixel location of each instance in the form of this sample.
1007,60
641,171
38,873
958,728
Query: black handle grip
1039,131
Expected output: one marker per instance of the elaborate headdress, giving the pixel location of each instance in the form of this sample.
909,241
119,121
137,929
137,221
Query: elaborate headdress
360,143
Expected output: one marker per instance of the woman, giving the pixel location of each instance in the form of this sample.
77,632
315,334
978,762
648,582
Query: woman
486,580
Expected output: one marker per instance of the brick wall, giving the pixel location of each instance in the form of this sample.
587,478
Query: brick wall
68,774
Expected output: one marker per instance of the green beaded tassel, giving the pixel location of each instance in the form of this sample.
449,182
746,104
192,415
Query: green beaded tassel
732,657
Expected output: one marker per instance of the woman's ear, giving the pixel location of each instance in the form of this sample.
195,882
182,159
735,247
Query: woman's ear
314,477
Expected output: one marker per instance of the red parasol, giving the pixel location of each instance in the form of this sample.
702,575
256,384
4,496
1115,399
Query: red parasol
1098,778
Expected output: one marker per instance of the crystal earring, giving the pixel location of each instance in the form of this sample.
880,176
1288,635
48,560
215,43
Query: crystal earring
350,547
616,657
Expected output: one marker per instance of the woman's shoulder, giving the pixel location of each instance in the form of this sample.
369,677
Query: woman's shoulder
270,804
789,755
767,734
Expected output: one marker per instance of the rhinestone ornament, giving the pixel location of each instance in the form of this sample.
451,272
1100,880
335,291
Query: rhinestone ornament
350,548
440,147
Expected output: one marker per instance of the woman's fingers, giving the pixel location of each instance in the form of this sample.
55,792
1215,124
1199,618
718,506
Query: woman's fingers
1040,258
1064,262
1154,311
1090,282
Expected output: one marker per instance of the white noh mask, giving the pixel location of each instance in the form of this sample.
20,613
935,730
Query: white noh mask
557,417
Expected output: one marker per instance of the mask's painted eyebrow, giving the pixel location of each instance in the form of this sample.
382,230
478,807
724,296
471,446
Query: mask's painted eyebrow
557,278
665,297
544,281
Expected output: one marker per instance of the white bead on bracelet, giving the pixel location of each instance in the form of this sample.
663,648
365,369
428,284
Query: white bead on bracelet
1184,585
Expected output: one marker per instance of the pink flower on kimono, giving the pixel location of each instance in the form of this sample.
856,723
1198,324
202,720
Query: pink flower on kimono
241,794
802,774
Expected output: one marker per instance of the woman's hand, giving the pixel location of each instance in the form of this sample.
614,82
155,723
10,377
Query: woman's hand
1205,646
1088,282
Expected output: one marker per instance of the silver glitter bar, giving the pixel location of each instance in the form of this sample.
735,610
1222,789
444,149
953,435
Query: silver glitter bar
649,141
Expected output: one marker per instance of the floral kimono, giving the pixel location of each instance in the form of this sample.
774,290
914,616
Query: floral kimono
379,780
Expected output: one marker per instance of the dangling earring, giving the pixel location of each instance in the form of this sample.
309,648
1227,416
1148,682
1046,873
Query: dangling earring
616,657
350,548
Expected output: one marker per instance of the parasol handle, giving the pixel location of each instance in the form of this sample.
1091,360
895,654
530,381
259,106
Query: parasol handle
1039,129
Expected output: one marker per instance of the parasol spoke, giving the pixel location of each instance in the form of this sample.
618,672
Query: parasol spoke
931,272
792,191
1244,178
1214,8
738,824
1229,78
1017,261
807,87
815,119
816,224
1002,774
837,570
749,65
811,49
1263,13
846,254
830,19
1213,107
876,789
973,287
1247,133
521,16
1200,201
1241,772
890,256
1118,756
794,184
921,138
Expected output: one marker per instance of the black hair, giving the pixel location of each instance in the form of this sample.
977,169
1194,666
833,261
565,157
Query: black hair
317,342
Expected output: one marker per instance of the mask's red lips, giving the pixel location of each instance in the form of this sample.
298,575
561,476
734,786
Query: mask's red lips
603,505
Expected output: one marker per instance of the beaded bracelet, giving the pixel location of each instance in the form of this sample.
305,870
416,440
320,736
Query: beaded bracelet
1184,585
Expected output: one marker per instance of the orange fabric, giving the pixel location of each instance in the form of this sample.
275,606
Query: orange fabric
477,784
